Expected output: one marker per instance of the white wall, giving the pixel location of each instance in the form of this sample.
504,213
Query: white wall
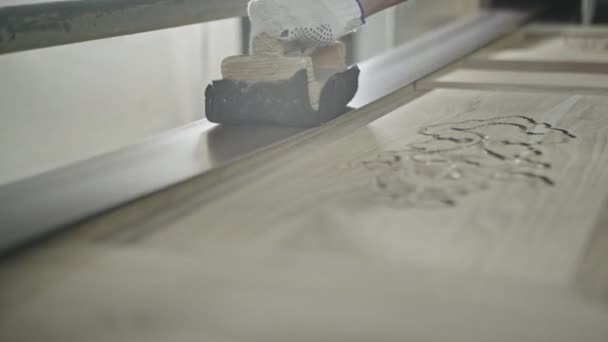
377,36
407,21
420,16
63,104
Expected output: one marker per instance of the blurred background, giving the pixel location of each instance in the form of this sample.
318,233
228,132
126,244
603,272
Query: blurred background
64,104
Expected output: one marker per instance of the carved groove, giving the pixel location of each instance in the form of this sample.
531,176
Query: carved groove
462,158
587,44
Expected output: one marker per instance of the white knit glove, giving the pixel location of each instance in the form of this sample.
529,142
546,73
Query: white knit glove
306,23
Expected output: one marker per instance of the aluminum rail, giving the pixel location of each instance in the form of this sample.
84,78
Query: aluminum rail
43,204
31,24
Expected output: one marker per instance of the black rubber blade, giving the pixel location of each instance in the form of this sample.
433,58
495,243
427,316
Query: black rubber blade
283,102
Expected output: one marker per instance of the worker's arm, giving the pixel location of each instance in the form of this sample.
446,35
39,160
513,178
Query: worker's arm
312,23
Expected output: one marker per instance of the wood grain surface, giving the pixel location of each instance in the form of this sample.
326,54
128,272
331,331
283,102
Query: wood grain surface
479,179
536,58
463,215
547,43
547,48
569,82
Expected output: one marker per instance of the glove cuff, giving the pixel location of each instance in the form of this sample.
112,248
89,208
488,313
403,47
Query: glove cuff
350,11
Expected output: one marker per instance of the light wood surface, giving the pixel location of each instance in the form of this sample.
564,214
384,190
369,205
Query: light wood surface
270,62
551,44
555,48
478,184
461,215
536,58
581,83
464,216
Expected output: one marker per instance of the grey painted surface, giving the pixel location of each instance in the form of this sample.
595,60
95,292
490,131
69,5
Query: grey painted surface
31,24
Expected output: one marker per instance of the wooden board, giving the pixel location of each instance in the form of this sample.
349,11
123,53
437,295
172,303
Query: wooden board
537,58
463,216
556,48
551,44
469,201
455,77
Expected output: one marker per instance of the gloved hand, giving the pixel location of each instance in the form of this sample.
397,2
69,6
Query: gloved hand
305,23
